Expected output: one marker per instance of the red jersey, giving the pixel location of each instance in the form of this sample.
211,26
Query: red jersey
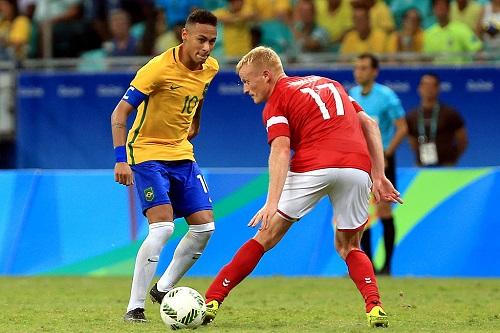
321,120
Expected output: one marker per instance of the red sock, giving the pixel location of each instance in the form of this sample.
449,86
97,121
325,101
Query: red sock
362,274
243,263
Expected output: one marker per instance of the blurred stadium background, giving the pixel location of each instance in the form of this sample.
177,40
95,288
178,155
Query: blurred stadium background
69,62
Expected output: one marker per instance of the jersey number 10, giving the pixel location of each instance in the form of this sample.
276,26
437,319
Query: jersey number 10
317,98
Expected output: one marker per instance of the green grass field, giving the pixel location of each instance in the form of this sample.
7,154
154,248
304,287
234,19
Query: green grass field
67,304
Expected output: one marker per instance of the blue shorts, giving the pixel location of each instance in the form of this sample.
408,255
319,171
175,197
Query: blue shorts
178,183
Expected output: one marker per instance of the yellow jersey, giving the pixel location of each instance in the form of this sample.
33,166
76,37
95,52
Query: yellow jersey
163,119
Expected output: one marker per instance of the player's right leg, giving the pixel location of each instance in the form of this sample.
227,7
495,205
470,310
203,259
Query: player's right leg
350,198
152,189
301,193
243,263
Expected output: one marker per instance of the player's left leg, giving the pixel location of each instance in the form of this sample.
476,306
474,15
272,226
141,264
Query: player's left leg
189,249
190,199
362,274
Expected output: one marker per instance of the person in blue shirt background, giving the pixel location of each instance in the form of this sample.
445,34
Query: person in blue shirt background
382,104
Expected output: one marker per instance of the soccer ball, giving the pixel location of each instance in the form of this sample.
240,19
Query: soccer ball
182,307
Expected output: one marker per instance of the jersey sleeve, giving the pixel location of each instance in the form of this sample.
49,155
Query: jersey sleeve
356,105
275,121
146,78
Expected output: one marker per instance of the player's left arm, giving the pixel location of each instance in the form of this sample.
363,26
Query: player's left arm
382,187
194,129
279,162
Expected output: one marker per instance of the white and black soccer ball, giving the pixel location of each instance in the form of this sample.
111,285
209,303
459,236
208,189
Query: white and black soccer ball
183,307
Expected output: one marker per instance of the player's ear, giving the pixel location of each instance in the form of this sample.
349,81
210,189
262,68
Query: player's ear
184,34
267,75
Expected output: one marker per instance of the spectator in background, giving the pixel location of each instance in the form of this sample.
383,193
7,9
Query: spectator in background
27,7
236,27
309,36
490,25
121,42
411,36
62,30
436,131
447,36
383,105
337,11
380,14
177,10
363,38
166,38
14,36
271,10
400,7
273,21
213,4
15,30
468,12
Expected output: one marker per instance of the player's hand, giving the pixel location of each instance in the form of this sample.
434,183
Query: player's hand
123,174
383,189
264,215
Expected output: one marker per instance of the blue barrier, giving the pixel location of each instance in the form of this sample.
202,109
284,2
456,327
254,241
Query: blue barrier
63,119
81,223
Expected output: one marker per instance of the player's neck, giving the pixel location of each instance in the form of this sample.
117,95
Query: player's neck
367,88
278,77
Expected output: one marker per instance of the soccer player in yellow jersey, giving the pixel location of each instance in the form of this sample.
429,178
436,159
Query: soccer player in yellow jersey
157,156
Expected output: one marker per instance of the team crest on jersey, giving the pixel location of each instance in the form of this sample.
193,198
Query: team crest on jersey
149,194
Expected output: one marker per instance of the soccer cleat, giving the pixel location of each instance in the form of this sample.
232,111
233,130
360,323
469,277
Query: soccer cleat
156,295
211,311
377,317
135,316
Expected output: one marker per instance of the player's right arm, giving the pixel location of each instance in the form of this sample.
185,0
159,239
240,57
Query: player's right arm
123,173
382,187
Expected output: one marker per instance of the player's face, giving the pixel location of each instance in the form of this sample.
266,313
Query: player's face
364,73
256,83
199,40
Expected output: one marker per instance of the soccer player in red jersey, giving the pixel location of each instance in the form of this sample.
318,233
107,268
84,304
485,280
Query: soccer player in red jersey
337,152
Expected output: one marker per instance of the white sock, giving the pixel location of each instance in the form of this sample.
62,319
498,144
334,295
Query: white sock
187,252
147,261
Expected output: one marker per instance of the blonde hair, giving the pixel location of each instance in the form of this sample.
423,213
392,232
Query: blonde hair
263,57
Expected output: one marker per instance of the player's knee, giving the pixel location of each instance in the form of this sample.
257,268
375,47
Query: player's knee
345,242
343,251
202,233
159,213
267,240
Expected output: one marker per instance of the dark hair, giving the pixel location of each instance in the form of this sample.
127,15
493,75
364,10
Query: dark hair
202,16
433,75
373,59
434,2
